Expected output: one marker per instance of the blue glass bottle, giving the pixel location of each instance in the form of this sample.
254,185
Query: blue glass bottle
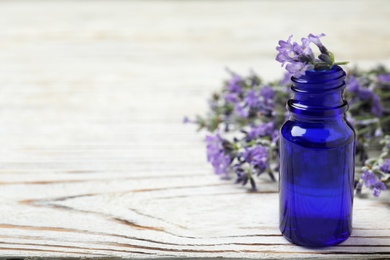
317,151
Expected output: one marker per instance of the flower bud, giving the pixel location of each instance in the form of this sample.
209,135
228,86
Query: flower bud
325,58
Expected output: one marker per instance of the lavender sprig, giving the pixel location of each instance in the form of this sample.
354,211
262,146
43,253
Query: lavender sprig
299,58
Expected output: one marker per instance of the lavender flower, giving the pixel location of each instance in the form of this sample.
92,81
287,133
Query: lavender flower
251,99
217,155
376,107
385,166
384,78
186,120
368,177
261,130
241,111
257,157
372,182
304,49
231,98
377,188
242,176
286,53
300,57
233,85
365,93
267,94
275,137
353,85
316,40
298,69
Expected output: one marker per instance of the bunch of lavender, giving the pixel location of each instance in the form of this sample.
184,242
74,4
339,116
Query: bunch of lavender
376,172
368,93
253,111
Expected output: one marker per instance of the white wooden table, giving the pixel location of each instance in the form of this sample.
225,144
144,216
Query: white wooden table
94,159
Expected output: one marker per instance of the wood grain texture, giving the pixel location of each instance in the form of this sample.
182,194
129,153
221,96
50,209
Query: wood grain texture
94,160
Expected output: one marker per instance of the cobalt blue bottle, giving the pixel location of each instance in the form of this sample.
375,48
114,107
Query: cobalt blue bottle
317,153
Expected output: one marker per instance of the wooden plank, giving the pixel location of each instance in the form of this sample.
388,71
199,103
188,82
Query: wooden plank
94,160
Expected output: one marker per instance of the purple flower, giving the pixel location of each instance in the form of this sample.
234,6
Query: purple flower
377,188
286,53
267,97
242,176
300,57
384,78
385,166
267,93
376,107
294,53
186,120
316,40
261,130
372,182
365,93
216,154
251,99
304,49
368,177
353,85
233,85
214,146
231,97
275,136
298,69
240,110
257,156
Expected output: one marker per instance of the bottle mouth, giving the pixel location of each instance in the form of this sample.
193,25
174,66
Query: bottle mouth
319,81
319,93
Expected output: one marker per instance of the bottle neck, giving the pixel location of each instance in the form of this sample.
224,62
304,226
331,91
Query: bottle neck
317,119
318,94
